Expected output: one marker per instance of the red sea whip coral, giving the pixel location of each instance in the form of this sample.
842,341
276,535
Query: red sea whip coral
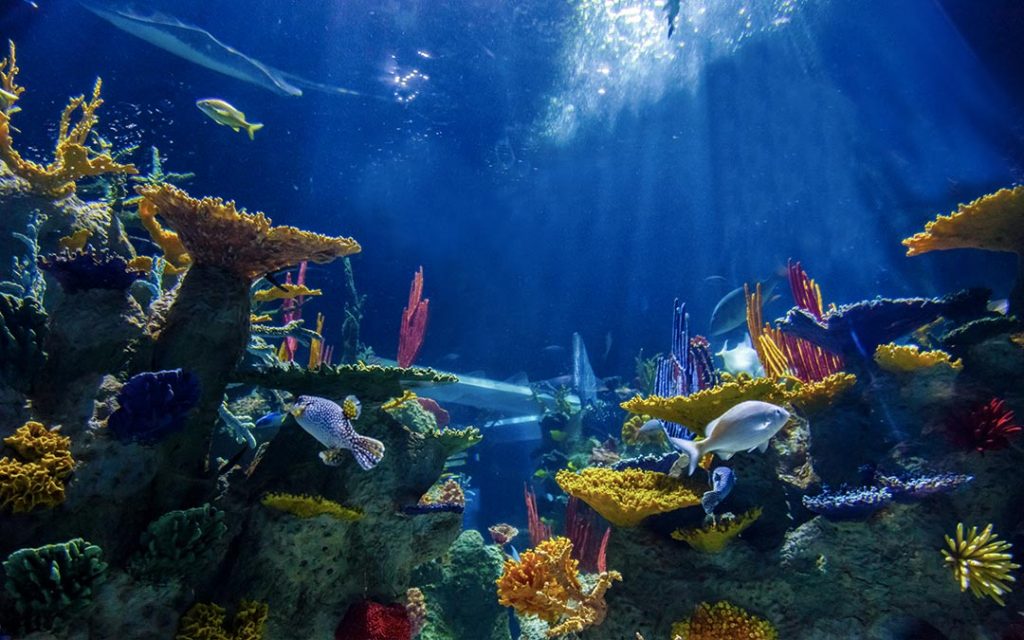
987,427
414,323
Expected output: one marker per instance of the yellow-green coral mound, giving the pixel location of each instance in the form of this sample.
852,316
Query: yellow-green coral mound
207,622
695,411
723,621
304,506
626,497
906,358
819,394
713,538
981,562
37,479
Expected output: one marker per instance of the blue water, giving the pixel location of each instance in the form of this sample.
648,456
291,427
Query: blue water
827,137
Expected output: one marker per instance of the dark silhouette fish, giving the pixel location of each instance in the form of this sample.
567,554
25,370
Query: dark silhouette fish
672,12
731,310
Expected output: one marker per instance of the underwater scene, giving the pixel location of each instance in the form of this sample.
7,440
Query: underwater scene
511,320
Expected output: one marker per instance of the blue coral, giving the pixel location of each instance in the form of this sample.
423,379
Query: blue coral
909,488
153,405
89,269
849,504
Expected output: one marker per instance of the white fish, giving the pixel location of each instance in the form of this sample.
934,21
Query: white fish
741,359
745,427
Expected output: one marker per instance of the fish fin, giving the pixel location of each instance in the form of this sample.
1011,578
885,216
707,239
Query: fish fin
691,449
235,129
515,554
367,451
763,446
351,407
710,428
710,500
253,128
725,455
331,457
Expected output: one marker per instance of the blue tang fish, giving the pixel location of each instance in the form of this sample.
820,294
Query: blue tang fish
272,420
722,481
331,425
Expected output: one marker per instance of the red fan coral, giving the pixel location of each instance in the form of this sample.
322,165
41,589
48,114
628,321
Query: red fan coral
369,620
987,427
414,323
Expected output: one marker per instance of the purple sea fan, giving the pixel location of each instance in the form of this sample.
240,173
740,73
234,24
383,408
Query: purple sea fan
906,489
849,504
153,405
89,269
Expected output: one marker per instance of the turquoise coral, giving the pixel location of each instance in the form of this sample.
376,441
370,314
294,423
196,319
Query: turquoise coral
177,543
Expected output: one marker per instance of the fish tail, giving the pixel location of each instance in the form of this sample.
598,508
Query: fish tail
710,500
253,128
690,448
368,452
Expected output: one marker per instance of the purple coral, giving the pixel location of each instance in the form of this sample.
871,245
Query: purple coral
89,269
849,504
153,405
910,488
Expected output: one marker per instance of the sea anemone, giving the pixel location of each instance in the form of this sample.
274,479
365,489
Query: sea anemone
987,427
980,562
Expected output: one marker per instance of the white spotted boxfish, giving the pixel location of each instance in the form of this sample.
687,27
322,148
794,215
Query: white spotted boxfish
331,425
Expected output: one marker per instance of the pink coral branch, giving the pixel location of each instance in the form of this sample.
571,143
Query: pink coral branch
539,531
414,323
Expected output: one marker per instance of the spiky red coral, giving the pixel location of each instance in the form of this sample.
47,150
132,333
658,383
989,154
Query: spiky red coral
987,427
369,620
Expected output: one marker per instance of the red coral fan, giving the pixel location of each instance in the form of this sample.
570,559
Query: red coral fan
987,427
369,620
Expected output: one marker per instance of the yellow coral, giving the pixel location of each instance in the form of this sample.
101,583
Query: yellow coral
260,319
1018,339
905,358
141,263
304,506
76,241
216,234
713,538
816,395
696,410
994,222
38,481
175,255
207,622
8,81
316,345
394,403
626,497
981,562
545,582
723,621
284,292
73,159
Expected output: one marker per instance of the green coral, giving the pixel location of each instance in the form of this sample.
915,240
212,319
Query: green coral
49,583
23,333
457,440
178,542
370,383
208,622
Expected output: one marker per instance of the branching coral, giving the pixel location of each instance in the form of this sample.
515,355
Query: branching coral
53,581
714,537
208,622
987,427
545,582
414,322
723,621
284,292
23,332
369,620
980,562
905,358
153,405
696,410
216,234
626,497
304,506
177,542
73,158
87,269
368,382
37,480
175,254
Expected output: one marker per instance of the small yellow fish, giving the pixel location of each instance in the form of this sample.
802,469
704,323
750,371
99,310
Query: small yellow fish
223,113
558,436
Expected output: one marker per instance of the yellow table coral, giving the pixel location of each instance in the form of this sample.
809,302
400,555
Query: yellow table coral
819,394
713,538
38,479
905,358
695,411
545,582
209,622
626,497
304,506
723,621
284,292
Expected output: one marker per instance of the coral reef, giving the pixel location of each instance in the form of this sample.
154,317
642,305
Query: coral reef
715,536
905,358
415,610
545,583
52,582
303,506
87,269
369,620
23,334
209,622
918,487
848,504
980,562
723,621
284,292
414,323
153,405
987,427
73,158
38,478
816,395
626,497
179,542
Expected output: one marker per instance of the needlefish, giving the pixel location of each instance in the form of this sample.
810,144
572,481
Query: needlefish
331,425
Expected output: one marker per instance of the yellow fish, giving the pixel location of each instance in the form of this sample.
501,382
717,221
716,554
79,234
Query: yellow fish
223,113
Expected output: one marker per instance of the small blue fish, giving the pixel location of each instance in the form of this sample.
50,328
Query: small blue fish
722,481
331,425
511,552
272,420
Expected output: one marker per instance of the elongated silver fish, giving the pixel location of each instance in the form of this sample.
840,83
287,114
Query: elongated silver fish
331,425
